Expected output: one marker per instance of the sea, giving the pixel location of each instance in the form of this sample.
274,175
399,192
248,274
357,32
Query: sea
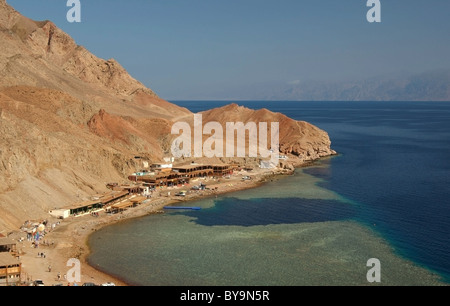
385,196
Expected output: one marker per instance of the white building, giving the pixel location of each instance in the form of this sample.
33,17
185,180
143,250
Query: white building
159,166
60,213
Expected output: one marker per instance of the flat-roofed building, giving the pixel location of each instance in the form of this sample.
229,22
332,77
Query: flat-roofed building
183,174
10,269
7,245
221,170
60,213
87,207
161,167
164,179
195,170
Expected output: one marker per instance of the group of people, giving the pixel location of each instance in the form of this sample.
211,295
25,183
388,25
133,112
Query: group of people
59,276
95,214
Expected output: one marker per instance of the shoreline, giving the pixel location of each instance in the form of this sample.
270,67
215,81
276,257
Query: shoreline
434,276
72,236
70,239
159,209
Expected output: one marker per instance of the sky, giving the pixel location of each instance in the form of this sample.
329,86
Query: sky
184,48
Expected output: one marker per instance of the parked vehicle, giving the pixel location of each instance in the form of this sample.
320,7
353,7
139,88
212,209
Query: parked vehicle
181,194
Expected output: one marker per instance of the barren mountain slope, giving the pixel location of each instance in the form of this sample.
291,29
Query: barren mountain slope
40,54
298,138
54,150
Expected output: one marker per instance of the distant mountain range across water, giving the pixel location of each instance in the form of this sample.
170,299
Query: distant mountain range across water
427,86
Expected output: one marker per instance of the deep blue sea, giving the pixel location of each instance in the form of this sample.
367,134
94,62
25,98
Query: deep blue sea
389,189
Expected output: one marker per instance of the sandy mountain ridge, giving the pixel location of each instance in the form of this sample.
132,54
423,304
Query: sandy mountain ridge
71,122
42,55
298,138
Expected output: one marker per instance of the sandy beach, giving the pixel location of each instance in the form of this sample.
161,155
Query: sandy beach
69,237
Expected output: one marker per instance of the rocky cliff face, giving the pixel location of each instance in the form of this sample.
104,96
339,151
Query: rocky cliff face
300,139
40,54
71,122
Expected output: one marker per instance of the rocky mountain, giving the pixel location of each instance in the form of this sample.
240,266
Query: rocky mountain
71,122
297,138
428,86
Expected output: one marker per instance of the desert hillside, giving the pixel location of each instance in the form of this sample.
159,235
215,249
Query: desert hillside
71,122
298,138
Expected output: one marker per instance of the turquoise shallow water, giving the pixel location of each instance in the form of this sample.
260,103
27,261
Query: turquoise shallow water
384,197
250,238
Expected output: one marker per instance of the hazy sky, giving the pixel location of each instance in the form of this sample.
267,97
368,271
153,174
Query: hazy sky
181,48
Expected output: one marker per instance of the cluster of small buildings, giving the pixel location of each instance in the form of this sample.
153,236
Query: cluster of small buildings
119,199
145,182
165,175
115,201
